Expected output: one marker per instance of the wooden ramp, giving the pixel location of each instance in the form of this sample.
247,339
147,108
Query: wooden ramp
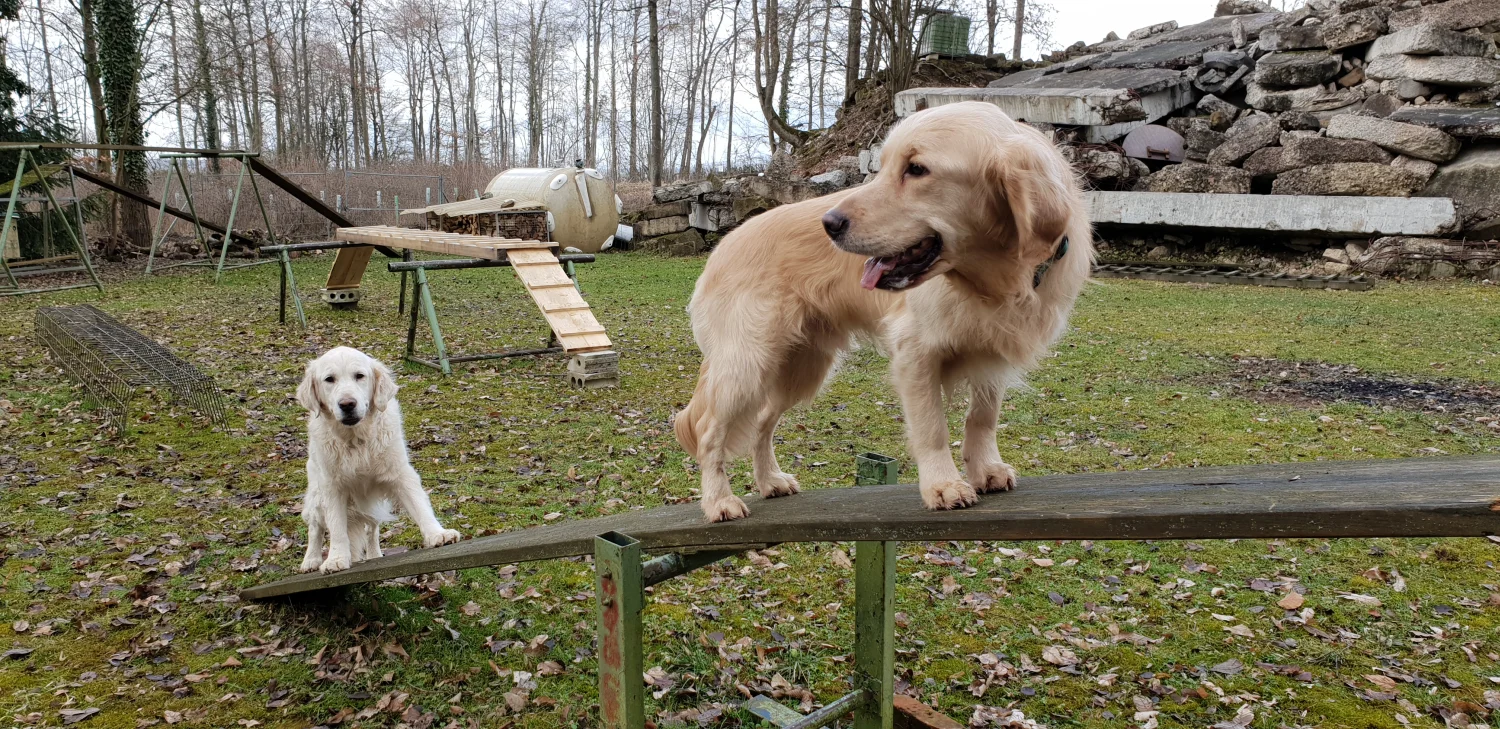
570,317
1428,497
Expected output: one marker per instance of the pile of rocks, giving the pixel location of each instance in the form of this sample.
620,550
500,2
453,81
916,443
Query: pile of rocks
687,218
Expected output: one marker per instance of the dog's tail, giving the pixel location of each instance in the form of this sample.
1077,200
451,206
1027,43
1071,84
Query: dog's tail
685,425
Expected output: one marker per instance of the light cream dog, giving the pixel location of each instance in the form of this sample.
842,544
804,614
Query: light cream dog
357,464
962,257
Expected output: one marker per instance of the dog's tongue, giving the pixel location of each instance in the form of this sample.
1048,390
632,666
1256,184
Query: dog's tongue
874,269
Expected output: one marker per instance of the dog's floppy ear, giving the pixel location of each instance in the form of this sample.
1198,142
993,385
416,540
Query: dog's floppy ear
307,392
1039,193
384,387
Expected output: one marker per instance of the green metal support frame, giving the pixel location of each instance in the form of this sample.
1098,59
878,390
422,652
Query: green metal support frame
234,208
422,299
14,288
622,579
159,236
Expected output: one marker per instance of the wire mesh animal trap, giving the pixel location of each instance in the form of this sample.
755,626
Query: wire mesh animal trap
113,362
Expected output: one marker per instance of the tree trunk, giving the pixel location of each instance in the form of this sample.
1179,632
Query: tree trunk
851,58
1020,23
658,144
120,71
91,72
209,97
734,57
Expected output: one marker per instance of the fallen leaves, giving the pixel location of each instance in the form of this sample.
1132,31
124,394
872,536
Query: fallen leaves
73,716
1291,601
1059,656
1365,600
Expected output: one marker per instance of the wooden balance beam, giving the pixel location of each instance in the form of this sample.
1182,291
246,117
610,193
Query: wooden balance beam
1430,497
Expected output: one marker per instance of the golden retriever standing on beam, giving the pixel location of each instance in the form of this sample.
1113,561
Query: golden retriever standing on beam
963,257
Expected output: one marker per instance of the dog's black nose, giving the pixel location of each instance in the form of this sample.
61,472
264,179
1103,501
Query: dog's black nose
347,405
836,223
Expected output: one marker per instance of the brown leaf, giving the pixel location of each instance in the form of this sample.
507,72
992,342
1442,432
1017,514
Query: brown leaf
1292,601
1059,656
1384,683
470,608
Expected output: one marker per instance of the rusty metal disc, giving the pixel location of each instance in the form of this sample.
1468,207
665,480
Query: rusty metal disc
1154,141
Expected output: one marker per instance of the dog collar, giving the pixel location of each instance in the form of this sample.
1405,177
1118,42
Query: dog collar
1062,250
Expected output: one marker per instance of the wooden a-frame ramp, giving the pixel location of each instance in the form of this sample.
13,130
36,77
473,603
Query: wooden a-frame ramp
576,327
1436,497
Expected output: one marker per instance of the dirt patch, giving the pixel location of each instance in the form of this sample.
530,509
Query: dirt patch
1313,384
865,121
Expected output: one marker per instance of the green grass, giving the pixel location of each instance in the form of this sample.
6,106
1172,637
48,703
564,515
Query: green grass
130,552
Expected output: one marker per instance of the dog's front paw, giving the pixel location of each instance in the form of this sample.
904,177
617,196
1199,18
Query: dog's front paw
992,476
728,508
441,537
778,484
948,495
334,563
310,563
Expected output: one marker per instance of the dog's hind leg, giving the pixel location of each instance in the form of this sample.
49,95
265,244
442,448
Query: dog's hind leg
414,502
799,379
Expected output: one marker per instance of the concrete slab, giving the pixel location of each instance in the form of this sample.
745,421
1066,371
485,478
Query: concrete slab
1460,122
1119,100
1351,216
1172,54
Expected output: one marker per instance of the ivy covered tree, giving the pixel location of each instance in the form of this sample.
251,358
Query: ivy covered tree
120,70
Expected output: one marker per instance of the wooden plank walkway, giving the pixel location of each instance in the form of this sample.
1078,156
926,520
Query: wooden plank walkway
554,292
1427,497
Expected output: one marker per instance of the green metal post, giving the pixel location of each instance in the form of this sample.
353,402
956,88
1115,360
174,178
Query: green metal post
83,250
289,286
10,211
875,632
875,611
264,214
157,237
234,208
620,595
424,294
187,195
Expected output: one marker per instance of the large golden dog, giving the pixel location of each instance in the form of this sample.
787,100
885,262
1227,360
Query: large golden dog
962,257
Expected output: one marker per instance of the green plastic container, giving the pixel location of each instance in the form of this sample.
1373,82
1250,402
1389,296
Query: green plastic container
946,34
873,469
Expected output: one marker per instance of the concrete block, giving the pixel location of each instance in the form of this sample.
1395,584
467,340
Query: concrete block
662,226
1194,177
1452,15
1295,38
1430,40
1347,179
1472,180
1307,151
1352,29
1462,71
1246,136
1268,162
1241,7
1341,216
1297,69
1103,98
1408,139
1460,122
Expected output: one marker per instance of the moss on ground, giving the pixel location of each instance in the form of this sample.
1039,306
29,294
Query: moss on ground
120,559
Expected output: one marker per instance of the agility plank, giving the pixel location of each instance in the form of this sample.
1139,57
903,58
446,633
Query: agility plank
1427,497
456,244
570,317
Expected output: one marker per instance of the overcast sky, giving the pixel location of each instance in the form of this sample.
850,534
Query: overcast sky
1091,20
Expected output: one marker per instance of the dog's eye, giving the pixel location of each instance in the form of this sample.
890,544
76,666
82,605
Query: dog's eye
359,375
328,379
915,170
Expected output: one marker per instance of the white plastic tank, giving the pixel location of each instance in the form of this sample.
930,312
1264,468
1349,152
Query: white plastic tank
582,211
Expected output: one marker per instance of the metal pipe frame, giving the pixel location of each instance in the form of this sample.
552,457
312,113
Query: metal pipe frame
14,289
622,578
422,298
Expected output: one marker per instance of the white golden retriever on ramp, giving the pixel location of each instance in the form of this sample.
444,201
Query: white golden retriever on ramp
357,465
